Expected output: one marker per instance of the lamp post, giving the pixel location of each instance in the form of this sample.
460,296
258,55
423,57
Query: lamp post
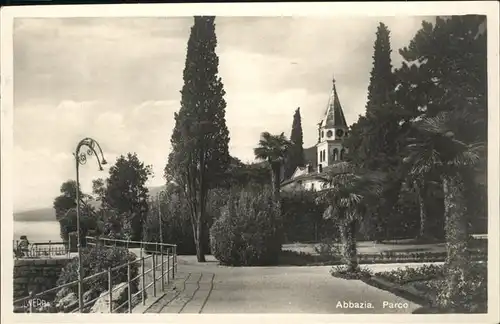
80,159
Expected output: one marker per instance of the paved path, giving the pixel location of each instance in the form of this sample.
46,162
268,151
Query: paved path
210,288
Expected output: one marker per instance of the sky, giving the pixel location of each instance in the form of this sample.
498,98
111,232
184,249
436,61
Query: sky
118,80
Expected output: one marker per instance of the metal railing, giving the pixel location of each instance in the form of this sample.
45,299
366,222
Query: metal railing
41,249
153,270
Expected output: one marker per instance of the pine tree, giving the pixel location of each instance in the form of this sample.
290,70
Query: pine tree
295,156
200,155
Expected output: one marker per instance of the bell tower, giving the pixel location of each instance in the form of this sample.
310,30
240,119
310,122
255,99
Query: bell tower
332,130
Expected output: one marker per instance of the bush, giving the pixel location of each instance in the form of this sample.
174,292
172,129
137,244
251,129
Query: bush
249,232
329,248
343,272
303,217
98,259
176,226
473,291
408,274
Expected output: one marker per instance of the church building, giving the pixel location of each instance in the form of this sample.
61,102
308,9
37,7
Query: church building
332,130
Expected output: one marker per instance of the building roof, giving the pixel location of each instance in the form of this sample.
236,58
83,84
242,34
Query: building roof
302,174
334,115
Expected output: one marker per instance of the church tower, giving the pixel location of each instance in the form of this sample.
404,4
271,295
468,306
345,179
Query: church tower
332,130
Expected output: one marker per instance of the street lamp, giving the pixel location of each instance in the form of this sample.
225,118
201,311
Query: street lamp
80,159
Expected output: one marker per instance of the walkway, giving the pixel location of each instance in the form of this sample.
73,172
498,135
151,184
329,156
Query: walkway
210,288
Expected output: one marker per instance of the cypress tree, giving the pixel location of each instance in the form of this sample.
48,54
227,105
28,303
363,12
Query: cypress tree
374,139
295,156
200,156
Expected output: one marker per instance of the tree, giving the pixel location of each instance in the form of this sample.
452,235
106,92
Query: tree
65,210
444,70
295,156
125,192
441,149
200,155
349,193
273,149
374,141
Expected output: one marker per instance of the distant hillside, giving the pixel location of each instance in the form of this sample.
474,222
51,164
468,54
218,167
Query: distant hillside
36,215
48,213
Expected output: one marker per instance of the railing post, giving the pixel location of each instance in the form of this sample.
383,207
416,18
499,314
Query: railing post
154,275
162,269
168,265
30,301
110,289
129,281
143,292
174,266
49,247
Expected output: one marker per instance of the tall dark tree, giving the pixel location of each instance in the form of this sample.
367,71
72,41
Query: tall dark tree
443,85
444,70
295,156
125,192
374,140
200,139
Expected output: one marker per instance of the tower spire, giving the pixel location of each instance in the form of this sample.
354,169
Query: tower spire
334,116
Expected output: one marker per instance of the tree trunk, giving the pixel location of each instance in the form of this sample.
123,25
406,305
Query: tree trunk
347,231
420,187
351,256
456,231
198,239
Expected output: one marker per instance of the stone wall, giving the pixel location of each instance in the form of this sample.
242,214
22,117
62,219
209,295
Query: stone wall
36,275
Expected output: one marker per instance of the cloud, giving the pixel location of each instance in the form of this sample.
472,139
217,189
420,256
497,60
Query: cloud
118,80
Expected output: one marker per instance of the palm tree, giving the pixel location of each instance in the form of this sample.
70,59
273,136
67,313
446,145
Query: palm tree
349,192
273,149
439,149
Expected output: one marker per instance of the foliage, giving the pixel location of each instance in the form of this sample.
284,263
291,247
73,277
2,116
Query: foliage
350,191
125,192
295,155
430,280
345,272
328,248
200,157
241,174
273,149
302,217
375,140
97,259
407,274
115,225
65,210
249,231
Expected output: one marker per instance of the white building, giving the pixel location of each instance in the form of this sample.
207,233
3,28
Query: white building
332,130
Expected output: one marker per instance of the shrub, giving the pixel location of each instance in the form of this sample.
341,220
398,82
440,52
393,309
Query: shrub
343,272
97,259
249,231
176,222
473,291
303,217
329,248
408,274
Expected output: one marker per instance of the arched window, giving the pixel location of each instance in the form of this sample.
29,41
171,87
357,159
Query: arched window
342,154
335,154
